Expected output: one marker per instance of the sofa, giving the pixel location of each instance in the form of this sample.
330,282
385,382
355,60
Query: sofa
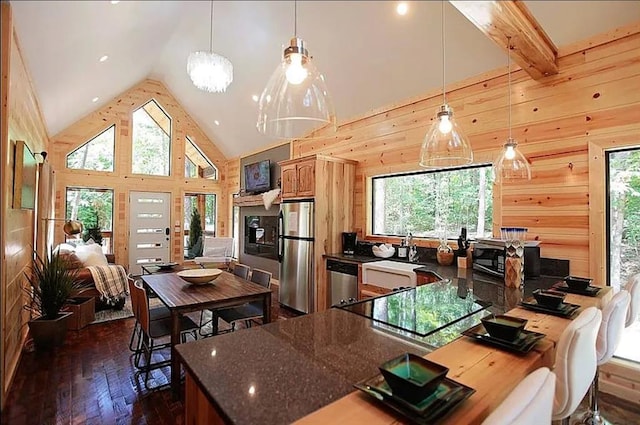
79,261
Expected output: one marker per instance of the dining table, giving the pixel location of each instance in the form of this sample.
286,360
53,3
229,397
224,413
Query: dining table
181,297
492,372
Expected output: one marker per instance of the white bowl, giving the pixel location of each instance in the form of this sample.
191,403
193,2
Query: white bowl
385,252
199,276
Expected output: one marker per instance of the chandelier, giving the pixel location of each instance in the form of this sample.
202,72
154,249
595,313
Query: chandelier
210,71
445,145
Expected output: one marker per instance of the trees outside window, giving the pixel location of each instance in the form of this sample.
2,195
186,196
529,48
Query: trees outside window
434,204
196,164
206,205
623,169
97,154
151,143
94,208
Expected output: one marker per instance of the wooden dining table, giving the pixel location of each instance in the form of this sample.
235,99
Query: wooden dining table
492,372
181,297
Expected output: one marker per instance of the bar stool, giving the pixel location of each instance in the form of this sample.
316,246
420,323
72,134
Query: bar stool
633,287
576,363
614,317
530,402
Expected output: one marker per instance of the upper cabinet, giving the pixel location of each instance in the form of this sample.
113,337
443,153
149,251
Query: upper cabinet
298,178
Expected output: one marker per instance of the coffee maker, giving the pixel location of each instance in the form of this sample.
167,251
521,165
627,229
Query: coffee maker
349,243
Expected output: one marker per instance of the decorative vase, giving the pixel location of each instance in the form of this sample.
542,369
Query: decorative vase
444,254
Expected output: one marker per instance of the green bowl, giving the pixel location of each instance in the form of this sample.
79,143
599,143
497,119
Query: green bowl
504,327
412,377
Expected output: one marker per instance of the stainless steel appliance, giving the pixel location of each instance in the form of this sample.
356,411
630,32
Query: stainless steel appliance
295,253
342,281
489,257
349,240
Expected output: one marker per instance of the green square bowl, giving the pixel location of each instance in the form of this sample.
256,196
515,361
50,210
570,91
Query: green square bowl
412,377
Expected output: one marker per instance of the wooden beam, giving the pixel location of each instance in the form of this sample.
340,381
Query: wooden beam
532,48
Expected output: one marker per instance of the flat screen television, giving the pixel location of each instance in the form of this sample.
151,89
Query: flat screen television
257,177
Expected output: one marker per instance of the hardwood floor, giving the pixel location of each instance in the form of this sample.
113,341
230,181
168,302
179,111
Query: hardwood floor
90,381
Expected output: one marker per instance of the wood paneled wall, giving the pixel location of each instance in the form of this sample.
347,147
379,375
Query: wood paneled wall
21,120
119,112
596,95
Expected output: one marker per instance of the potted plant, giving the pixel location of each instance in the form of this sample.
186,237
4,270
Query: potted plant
195,235
52,284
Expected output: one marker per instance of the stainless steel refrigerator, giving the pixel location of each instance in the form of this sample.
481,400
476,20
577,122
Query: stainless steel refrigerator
295,253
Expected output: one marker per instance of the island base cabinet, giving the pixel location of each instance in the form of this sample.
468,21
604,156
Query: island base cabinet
197,408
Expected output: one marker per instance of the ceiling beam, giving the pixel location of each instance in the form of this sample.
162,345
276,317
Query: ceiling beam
531,47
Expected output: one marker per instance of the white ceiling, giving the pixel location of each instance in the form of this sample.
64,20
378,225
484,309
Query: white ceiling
370,55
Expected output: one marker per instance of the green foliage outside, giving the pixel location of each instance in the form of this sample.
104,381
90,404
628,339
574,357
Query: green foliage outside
195,234
434,204
151,146
97,154
92,207
624,215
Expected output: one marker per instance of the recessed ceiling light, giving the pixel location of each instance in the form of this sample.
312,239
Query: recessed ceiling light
216,122
95,99
255,97
104,58
402,8
115,1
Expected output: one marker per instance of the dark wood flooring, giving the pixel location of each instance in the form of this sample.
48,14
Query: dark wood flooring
90,381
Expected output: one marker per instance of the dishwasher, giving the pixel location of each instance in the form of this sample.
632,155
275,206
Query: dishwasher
342,281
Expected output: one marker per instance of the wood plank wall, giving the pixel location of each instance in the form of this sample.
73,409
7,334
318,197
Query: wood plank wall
21,120
595,95
119,112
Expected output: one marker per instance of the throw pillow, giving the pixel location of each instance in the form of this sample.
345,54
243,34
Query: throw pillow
64,248
91,255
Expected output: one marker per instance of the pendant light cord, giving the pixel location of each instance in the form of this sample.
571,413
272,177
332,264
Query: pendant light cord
509,72
444,96
295,18
211,30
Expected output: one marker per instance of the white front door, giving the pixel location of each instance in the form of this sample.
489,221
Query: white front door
149,234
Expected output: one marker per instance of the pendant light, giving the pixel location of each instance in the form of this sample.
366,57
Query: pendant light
445,145
210,71
511,164
295,101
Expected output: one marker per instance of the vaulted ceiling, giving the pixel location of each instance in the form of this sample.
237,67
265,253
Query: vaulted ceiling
370,55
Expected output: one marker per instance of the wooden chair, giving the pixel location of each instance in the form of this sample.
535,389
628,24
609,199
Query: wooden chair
249,312
530,402
242,271
155,313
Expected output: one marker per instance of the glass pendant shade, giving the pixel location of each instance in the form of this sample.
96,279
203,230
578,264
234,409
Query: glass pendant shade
445,145
295,101
210,71
512,164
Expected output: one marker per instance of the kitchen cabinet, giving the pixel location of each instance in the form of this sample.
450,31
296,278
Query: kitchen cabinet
329,181
298,178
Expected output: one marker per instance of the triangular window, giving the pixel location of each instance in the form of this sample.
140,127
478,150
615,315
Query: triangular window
196,164
151,150
97,154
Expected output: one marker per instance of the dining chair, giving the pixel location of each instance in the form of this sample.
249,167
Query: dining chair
529,403
240,270
614,316
152,331
249,312
576,363
155,313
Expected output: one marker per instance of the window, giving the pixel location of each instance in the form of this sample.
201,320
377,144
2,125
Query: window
434,203
97,154
623,222
94,208
196,164
151,144
203,202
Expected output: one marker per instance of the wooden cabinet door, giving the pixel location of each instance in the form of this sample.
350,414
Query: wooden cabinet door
306,179
288,182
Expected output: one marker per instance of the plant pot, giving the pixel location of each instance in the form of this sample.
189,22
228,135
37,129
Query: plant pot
445,258
48,334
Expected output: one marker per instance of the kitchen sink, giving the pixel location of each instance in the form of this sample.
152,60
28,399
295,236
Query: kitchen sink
389,274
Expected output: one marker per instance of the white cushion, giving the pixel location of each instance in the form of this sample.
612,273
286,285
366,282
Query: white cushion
215,252
530,402
64,248
633,287
614,315
91,255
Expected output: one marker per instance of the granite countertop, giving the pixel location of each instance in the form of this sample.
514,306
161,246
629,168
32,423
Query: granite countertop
285,370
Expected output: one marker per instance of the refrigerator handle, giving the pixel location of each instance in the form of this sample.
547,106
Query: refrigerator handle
280,238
